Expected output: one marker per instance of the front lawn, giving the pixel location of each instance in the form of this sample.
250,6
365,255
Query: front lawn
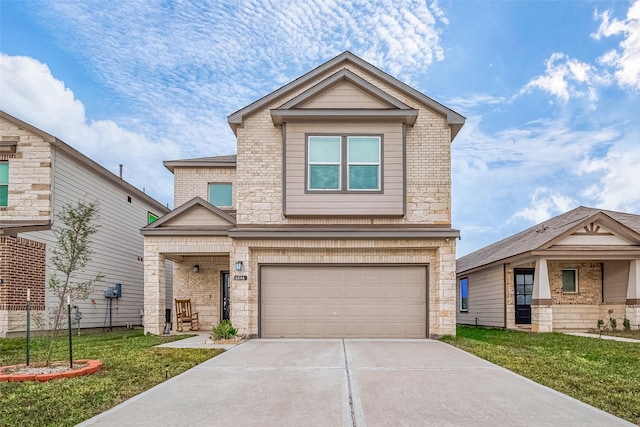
131,366
602,373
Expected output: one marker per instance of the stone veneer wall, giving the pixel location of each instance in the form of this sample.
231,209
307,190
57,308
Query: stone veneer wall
29,175
194,182
584,317
22,267
259,169
589,283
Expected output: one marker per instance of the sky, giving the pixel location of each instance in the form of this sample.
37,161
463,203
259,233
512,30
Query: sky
550,89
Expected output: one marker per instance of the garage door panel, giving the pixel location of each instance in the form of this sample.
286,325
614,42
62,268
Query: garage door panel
362,301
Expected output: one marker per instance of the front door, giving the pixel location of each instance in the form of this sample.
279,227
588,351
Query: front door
524,291
225,296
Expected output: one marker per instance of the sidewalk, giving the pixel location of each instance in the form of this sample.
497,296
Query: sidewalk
202,340
604,337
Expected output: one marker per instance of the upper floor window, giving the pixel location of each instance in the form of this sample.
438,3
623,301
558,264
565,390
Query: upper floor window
151,217
221,194
4,183
344,163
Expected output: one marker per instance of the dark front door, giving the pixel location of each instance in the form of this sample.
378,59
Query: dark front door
225,295
524,290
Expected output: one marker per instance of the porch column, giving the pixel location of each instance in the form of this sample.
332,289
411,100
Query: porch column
244,308
633,294
155,289
541,309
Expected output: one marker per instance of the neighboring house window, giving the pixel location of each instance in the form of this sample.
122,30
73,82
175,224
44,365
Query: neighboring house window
221,194
464,294
339,163
570,280
151,217
4,183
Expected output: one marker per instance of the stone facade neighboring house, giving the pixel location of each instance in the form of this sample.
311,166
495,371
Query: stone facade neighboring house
333,219
565,273
39,174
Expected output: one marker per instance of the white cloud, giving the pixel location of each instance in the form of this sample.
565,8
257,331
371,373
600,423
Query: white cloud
618,187
566,78
626,60
32,94
544,204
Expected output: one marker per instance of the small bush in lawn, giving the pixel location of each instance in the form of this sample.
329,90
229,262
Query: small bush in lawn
600,324
626,324
613,322
224,330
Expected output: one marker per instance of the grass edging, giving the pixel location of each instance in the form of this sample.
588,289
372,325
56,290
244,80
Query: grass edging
601,373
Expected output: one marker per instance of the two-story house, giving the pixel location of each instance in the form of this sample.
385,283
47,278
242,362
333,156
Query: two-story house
39,174
333,219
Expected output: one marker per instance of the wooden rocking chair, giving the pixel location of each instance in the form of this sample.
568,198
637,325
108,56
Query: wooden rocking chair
184,315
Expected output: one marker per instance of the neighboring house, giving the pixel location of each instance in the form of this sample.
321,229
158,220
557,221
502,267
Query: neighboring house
566,273
39,174
333,220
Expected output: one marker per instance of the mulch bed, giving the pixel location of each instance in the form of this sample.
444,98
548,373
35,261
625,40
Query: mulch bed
56,370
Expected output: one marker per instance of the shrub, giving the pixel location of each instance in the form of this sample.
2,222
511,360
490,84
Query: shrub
224,330
613,322
600,323
626,324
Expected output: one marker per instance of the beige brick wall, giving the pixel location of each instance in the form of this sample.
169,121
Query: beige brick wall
194,182
29,175
589,283
259,169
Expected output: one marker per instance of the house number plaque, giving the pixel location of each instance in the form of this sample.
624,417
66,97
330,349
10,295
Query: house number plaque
239,277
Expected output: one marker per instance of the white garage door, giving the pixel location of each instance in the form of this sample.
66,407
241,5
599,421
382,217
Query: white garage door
343,301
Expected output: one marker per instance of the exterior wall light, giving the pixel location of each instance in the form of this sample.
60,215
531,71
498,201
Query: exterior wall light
195,268
239,265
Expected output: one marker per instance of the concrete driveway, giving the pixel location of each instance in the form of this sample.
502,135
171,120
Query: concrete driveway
339,382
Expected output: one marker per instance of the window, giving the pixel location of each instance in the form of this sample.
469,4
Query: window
344,163
464,294
4,183
570,280
325,155
151,217
221,194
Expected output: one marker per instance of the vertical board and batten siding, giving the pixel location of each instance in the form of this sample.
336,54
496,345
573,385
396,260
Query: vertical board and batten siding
616,281
117,246
344,95
389,202
486,298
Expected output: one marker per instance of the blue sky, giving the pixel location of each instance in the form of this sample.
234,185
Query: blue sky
551,90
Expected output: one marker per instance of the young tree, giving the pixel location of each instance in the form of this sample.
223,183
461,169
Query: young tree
71,255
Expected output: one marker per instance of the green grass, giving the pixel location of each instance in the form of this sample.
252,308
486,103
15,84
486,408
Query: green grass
131,365
602,373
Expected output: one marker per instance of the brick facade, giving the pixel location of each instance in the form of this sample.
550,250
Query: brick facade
193,182
22,267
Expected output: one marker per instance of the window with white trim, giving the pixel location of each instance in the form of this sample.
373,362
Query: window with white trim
4,184
344,163
569,280
221,194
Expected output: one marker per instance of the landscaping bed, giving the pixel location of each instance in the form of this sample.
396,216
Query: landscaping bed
602,373
131,365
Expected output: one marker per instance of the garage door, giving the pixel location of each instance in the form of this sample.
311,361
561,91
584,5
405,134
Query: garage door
343,301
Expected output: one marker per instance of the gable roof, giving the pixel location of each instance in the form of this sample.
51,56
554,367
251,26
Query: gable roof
228,161
164,223
86,161
545,234
454,119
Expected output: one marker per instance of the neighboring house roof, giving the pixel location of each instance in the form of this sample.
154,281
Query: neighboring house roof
543,235
86,161
228,161
454,119
217,221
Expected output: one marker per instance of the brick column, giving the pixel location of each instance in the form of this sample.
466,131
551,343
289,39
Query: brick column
632,311
155,289
240,291
541,310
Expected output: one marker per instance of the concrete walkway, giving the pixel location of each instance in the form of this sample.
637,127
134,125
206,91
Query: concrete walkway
350,383
603,337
